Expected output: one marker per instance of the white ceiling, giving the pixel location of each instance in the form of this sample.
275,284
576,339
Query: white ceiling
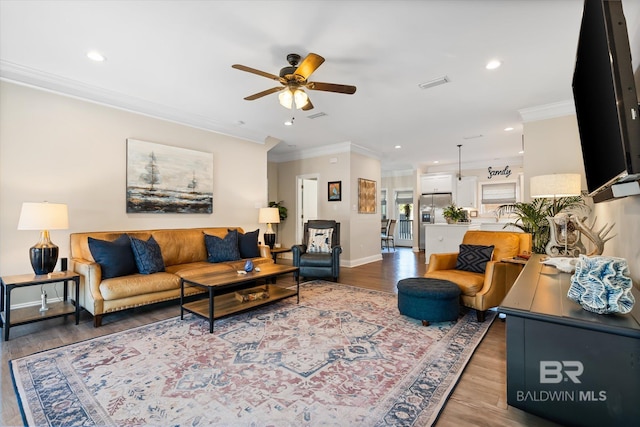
172,59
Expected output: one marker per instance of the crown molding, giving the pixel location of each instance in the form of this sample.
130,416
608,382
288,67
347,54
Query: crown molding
548,111
31,77
325,150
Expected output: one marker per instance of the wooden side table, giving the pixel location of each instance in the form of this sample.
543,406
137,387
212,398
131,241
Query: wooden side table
276,251
21,316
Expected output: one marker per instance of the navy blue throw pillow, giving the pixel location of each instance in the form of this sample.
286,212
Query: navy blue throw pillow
248,244
474,258
220,250
148,255
115,258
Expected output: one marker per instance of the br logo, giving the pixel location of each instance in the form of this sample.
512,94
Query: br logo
555,371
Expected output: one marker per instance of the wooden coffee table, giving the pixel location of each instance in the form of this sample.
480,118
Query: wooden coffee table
222,289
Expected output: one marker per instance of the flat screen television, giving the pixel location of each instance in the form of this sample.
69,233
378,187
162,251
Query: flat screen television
605,97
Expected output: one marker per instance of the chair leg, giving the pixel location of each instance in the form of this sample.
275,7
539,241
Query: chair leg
480,314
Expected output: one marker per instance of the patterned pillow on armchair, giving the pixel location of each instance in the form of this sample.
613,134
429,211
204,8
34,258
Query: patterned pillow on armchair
319,240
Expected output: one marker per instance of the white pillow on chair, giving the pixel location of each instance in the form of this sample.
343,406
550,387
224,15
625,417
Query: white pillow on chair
319,240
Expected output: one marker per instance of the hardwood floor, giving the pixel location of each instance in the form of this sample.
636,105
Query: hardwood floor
479,398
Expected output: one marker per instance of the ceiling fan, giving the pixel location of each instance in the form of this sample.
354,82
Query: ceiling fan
294,79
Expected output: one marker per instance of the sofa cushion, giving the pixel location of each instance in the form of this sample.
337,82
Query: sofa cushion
115,258
468,282
319,240
138,284
474,258
148,255
220,250
248,244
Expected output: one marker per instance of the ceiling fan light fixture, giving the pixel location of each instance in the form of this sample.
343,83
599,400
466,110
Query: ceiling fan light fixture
286,98
301,98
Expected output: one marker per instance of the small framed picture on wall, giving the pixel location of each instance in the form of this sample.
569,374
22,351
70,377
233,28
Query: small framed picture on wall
334,189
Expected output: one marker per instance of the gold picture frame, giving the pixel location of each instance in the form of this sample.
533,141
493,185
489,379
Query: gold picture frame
366,196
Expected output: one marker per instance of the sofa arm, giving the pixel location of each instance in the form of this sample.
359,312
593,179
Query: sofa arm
335,261
265,251
90,278
495,286
296,251
442,261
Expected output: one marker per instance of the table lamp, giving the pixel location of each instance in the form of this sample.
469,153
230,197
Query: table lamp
269,216
44,217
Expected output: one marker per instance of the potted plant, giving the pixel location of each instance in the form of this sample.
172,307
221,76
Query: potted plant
281,209
532,217
453,214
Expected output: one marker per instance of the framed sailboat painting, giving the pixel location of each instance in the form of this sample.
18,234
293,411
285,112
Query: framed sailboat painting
166,179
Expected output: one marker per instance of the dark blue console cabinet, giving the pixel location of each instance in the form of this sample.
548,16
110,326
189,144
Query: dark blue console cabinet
567,364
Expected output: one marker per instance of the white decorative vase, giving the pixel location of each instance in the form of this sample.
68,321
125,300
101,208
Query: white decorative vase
602,285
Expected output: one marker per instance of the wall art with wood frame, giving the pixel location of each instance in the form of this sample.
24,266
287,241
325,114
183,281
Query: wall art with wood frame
366,196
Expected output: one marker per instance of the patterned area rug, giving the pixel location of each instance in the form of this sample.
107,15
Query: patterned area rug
343,356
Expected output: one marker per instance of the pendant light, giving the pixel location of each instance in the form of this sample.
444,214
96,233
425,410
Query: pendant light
459,162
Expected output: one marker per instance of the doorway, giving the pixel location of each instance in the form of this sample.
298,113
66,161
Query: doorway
307,202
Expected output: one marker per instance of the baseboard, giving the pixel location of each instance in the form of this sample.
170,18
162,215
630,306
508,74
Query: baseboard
360,261
34,303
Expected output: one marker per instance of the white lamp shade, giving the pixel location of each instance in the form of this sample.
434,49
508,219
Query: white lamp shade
43,216
269,216
286,98
555,185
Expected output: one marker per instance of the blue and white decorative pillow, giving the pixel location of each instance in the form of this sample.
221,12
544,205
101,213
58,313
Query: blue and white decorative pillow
148,255
474,258
319,240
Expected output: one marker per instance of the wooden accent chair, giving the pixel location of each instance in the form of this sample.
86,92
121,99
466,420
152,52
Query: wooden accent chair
482,291
387,236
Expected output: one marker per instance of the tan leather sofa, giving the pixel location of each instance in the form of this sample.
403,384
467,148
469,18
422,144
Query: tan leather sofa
482,291
183,252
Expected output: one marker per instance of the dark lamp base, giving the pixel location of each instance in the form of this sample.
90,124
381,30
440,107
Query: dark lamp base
43,259
270,240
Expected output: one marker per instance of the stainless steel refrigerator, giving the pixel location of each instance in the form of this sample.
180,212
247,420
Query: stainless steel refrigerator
431,206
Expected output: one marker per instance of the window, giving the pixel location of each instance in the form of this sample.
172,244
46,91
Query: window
494,195
383,203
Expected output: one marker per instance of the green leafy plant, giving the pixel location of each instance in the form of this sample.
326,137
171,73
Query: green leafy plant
532,217
281,209
452,213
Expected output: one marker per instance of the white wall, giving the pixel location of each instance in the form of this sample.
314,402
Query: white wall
66,150
553,146
359,233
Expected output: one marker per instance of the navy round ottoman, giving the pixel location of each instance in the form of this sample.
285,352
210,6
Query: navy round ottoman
429,300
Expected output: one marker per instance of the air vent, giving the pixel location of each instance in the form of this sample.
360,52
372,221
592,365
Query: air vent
316,115
473,136
435,82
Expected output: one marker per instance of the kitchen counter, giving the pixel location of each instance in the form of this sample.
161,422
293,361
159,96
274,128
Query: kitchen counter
443,238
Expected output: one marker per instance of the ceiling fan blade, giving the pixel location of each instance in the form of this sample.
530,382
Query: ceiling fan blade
308,107
331,87
263,93
309,65
254,71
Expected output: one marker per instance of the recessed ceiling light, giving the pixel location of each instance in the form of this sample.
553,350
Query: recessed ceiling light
521,152
95,56
289,123
436,161
509,129
398,146
493,64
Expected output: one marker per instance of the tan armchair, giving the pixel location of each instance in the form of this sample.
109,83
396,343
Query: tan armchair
482,291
